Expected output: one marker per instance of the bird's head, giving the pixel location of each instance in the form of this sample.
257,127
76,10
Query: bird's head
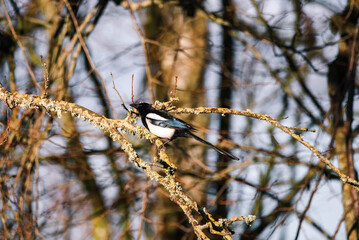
142,107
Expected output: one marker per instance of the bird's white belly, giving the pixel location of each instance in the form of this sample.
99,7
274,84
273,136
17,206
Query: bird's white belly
161,132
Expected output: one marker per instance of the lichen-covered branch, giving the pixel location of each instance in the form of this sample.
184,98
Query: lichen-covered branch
248,113
115,128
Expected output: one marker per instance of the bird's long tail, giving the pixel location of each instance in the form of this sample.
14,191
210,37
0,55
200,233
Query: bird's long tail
221,151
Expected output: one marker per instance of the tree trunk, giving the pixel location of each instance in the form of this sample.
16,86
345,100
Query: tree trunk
341,83
179,60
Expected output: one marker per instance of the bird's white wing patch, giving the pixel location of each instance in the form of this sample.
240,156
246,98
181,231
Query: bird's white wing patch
159,131
155,116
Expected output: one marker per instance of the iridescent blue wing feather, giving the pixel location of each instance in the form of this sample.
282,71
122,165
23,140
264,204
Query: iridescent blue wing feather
170,123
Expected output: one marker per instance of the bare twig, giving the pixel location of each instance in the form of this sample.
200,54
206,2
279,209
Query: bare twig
143,210
32,75
111,127
309,203
86,51
114,87
132,89
302,129
344,178
175,87
144,45
45,76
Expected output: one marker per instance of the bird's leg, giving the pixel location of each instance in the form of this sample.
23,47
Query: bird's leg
160,147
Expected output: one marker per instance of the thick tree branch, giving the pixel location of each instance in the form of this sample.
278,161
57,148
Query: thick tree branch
110,127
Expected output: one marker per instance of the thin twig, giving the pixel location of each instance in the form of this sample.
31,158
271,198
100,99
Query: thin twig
109,126
143,210
132,89
45,76
175,87
144,45
309,203
200,110
302,129
86,51
114,87
32,75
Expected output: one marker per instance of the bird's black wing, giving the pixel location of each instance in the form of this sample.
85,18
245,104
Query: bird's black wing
171,121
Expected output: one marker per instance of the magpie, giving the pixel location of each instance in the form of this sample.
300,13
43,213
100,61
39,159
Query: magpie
164,125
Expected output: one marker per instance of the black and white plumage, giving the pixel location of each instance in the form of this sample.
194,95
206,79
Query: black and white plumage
164,125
